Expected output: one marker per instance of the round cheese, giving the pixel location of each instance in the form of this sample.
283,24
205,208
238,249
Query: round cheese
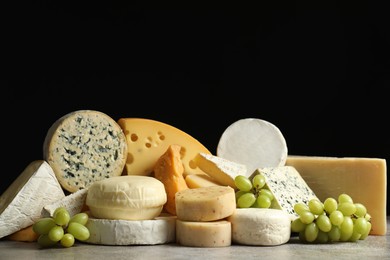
160,230
128,197
254,142
203,234
85,146
258,226
206,203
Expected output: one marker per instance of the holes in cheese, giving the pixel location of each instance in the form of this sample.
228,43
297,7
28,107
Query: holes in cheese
129,197
205,203
203,234
148,139
169,170
253,142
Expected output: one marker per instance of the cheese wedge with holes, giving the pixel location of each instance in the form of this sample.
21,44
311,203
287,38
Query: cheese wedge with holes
22,202
148,139
364,179
220,169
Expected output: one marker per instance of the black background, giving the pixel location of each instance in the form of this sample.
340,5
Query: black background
320,73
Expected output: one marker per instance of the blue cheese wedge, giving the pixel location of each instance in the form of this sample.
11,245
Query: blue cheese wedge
22,202
287,186
85,146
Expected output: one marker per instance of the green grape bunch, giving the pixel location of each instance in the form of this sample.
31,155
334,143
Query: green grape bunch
61,228
341,220
252,193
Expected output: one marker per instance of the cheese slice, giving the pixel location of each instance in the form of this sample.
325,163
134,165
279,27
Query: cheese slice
222,170
160,230
206,203
364,179
200,180
22,202
260,227
203,234
287,186
148,139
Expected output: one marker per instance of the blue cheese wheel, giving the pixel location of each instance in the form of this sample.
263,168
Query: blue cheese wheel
85,146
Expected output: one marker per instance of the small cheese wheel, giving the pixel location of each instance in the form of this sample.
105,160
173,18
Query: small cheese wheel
128,197
253,142
203,234
160,230
85,146
258,226
206,203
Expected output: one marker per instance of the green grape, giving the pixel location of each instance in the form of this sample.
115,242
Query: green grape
330,205
300,207
367,232
336,218
367,217
258,181
307,217
360,225
344,198
311,232
334,234
42,226
56,233
316,207
346,229
80,232
45,241
347,208
61,217
81,218
355,236
59,209
67,240
297,225
246,200
263,201
323,223
240,193
267,192
361,210
322,237
243,183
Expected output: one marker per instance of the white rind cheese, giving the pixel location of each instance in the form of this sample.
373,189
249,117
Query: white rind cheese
161,230
85,146
21,204
260,227
287,186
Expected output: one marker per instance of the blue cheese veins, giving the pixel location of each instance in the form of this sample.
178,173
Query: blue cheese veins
287,186
85,146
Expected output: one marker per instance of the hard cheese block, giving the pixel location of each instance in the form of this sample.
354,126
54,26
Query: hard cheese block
148,139
287,186
364,179
22,202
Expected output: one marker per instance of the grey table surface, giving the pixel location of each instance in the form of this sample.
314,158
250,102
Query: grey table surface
373,247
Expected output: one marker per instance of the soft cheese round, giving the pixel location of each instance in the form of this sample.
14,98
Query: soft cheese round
129,197
85,146
160,230
258,226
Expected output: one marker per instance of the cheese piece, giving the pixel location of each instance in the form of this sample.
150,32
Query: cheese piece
287,186
74,203
148,139
22,202
169,170
129,197
160,230
222,170
203,234
253,142
24,235
200,180
206,203
85,146
260,227
364,179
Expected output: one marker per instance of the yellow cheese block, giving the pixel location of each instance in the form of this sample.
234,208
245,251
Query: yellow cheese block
200,180
204,234
364,179
148,139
